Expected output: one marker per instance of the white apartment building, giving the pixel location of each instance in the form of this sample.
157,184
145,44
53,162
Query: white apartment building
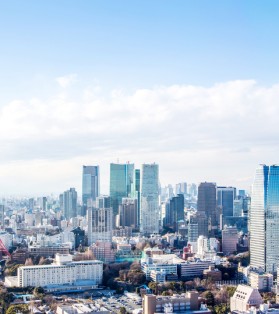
63,271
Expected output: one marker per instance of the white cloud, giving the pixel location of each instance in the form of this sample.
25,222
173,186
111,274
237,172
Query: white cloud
67,80
195,133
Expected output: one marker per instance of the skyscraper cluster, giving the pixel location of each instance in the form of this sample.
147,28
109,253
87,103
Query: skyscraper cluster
137,201
133,200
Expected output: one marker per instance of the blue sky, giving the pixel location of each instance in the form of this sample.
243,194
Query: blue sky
139,43
125,47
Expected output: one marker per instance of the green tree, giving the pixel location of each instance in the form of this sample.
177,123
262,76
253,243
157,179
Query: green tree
153,286
5,299
122,310
14,309
210,300
165,293
231,290
38,290
221,308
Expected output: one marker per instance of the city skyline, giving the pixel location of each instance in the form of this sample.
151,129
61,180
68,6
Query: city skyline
106,186
191,86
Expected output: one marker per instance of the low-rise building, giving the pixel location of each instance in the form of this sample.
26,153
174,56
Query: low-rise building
212,273
79,308
245,298
167,263
49,250
64,271
187,302
103,251
192,269
152,251
260,280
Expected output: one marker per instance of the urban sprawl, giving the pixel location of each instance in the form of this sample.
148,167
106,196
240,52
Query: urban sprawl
144,248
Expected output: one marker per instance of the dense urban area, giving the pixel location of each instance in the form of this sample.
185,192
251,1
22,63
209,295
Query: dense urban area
144,248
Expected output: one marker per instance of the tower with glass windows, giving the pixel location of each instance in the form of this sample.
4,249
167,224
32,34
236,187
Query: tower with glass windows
121,180
149,208
90,183
264,219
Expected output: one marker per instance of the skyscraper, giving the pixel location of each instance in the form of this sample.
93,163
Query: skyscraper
181,188
225,200
90,183
121,180
100,222
207,204
136,191
264,219
150,210
70,203
128,213
103,201
174,211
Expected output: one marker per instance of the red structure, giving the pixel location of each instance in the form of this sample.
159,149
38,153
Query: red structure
3,249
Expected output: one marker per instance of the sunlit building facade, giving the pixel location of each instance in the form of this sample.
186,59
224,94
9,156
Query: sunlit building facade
90,184
264,219
121,180
150,210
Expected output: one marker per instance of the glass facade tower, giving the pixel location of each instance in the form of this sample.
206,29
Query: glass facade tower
149,208
70,203
90,183
207,205
264,219
225,203
121,180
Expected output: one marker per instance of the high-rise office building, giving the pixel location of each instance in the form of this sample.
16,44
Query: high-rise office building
100,223
237,207
43,203
31,204
264,219
198,225
103,201
229,240
192,189
225,200
136,191
90,183
70,203
241,193
246,205
121,180
207,204
149,208
174,212
181,188
128,213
